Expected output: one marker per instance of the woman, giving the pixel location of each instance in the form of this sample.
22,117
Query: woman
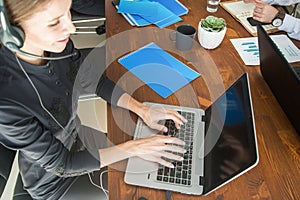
265,12
38,101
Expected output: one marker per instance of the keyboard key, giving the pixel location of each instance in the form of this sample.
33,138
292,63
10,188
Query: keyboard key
181,174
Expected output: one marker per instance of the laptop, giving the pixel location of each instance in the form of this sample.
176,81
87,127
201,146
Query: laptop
282,78
220,142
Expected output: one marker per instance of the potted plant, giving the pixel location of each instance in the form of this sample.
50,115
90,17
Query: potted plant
211,32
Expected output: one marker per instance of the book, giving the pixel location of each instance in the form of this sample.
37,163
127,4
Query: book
158,69
241,11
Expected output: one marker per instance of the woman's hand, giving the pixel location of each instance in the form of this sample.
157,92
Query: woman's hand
264,12
153,148
152,115
156,147
249,1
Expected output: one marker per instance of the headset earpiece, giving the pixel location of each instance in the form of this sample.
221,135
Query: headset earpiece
10,36
17,40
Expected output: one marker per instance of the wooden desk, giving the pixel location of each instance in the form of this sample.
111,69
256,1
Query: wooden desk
277,175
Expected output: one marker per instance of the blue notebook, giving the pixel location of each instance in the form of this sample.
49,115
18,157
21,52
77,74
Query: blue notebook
158,69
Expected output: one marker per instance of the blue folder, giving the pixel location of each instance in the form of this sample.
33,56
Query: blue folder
174,6
158,69
159,12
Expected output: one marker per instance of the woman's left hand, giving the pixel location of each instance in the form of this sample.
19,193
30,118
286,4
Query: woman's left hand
264,12
152,115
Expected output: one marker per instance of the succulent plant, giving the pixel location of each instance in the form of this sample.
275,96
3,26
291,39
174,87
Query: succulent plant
213,24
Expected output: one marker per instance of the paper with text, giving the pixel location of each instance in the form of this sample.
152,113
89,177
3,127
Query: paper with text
249,51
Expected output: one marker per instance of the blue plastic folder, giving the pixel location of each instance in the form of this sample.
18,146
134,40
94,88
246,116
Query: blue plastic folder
134,20
159,12
158,69
151,11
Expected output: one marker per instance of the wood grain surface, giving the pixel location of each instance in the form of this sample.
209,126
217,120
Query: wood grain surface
277,175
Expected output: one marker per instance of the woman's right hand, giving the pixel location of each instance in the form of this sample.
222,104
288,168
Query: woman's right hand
249,1
156,147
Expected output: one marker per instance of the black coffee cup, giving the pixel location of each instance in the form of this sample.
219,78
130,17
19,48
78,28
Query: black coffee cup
183,37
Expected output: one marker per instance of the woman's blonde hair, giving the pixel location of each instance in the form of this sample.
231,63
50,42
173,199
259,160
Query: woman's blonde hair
18,10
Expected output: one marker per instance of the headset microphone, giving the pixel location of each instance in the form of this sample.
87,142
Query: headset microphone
16,49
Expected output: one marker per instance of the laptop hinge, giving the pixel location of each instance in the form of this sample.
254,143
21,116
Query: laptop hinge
203,118
201,180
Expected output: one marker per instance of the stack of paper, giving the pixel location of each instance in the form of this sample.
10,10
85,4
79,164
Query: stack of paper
162,13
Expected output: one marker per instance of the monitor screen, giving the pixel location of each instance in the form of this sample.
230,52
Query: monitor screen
230,140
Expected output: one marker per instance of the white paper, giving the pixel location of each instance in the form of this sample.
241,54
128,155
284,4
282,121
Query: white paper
249,52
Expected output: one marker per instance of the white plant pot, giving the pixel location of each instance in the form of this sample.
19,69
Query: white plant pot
210,40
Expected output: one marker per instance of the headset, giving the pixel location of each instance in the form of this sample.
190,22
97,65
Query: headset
12,37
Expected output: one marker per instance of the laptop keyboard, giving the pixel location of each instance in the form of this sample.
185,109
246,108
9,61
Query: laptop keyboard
182,172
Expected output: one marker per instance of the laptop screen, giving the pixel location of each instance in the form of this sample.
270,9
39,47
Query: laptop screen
230,141
280,76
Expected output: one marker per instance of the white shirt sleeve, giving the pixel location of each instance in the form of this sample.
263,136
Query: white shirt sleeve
291,25
282,2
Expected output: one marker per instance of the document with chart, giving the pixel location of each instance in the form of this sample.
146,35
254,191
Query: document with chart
249,52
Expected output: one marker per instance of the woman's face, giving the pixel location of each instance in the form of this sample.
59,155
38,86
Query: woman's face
48,29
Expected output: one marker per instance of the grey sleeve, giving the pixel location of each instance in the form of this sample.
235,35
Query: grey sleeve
21,131
92,77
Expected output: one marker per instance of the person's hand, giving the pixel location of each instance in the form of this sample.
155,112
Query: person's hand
264,12
156,147
152,115
249,1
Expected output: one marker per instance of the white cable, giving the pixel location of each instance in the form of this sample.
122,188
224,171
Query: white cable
100,177
37,93
45,109
100,187
101,182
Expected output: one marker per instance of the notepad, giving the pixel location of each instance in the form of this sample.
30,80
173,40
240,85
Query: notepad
158,69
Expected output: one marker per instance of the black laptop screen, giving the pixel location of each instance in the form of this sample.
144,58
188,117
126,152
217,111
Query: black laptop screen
230,143
280,76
